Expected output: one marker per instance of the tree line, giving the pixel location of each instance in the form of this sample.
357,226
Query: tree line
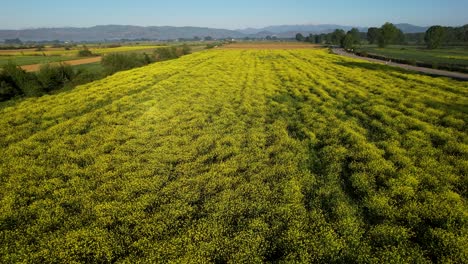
388,34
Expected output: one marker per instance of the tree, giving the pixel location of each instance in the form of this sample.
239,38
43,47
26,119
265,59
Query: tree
352,38
85,52
373,34
347,42
208,38
318,39
299,37
337,36
15,41
464,33
434,37
53,77
388,35
355,35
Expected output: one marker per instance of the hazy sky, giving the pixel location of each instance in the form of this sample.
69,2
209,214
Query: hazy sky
232,14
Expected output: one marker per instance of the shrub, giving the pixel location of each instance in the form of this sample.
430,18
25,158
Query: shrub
213,45
162,54
186,49
54,77
85,52
115,62
8,88
25,83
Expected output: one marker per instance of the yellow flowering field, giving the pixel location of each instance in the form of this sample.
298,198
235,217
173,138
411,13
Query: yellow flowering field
239,156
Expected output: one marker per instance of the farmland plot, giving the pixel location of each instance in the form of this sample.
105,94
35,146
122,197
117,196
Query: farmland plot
239,156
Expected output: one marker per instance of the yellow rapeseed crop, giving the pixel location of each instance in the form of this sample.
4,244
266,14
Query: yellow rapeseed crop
239,156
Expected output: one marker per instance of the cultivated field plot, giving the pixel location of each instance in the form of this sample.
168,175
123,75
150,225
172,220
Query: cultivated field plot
449,55
49,55
36,67
239,156
270,45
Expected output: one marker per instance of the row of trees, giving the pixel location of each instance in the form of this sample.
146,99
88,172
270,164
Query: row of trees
389,34
437,36
383,36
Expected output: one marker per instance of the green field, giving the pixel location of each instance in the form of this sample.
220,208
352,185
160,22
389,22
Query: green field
91,67
239,156
28,60
449,55
31,56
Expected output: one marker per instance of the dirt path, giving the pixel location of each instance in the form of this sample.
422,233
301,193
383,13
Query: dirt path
455,75
36,67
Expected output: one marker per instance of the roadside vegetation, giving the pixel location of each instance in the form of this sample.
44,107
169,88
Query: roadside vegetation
239,156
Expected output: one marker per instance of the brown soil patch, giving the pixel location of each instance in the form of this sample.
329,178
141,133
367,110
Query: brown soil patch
275,45
36,67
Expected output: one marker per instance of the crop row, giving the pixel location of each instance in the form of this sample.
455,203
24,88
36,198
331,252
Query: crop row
239,156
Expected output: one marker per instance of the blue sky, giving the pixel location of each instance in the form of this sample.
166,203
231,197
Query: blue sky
229,14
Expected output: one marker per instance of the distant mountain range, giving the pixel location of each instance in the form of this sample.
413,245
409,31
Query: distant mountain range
291,30
117,32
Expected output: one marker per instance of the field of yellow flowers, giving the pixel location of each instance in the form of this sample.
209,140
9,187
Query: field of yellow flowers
239,156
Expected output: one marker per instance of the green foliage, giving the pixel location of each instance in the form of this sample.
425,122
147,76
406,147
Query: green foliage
85,52
167,53
351,39
8,87
300,37
239,156
185,49
389,34
213,45
19,82
453,58
373,35
337,36
54,77
116,62
347,42
14,81
434,37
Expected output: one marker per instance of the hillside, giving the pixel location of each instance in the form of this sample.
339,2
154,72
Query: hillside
291,30
239,156
117,32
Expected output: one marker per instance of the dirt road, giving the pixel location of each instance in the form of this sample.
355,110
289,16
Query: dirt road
455,75
35,67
